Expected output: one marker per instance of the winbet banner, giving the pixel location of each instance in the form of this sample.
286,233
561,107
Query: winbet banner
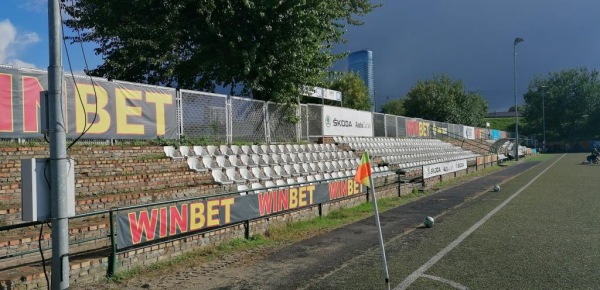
151,224
105,110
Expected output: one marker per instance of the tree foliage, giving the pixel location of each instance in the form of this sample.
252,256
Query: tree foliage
443,99
269,47
570,101
394,107
355,94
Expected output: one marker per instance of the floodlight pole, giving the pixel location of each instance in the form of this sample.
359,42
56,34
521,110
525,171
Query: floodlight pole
58,153
517,40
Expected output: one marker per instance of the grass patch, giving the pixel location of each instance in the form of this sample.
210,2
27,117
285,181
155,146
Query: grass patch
147,157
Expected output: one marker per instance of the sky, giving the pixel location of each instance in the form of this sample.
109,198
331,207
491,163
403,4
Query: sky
468,40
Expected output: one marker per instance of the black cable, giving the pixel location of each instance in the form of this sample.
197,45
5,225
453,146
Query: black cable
86,129
42,254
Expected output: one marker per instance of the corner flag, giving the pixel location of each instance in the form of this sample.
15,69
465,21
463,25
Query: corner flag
363,172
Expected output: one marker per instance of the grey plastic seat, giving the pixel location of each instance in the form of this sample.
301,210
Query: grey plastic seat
270,172
289,169
234,176
225,150
259,161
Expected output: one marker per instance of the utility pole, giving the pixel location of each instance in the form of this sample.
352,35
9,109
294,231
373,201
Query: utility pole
58,153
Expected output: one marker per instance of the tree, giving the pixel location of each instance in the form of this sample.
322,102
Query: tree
270,48
570,101
355,94
444,99
394,107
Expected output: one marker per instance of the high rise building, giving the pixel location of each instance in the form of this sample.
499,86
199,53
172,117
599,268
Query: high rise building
361,63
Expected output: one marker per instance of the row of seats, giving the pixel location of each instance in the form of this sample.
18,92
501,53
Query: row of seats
223,150
243,175
255,187
206,163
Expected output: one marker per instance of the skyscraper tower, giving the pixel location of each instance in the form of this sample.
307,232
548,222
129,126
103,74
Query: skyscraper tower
361,63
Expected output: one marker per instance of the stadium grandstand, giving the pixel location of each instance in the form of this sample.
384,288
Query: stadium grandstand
141,177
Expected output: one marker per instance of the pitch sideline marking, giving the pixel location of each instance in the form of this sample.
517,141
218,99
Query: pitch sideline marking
419,272
446,281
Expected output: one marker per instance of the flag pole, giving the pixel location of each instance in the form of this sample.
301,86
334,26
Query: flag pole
381,244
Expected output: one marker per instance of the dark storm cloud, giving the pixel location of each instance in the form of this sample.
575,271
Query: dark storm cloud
472,40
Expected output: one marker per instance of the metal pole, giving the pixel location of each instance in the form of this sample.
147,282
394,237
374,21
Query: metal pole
381,244
544,120
58,154
517,40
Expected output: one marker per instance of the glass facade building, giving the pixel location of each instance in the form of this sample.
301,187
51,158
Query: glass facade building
361,63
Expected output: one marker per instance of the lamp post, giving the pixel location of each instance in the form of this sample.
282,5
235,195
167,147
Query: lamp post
517,41
544,117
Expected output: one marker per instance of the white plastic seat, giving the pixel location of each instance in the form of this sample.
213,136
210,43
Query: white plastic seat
282,149
210,163
258,173
248,175
300,169
234,161
290,148
257,187
243,189
171,152
201,151
246,160
186,151
194,163
280,183
290,181
312,168
274,149
269,184
221,178
257,149
300,179
213,150
269,172
285,158
318,177
269,160
234,176
235,149
289,169
334,175
326,175
277,158
223,162
310,178
225,150
281,172
266,149
259,161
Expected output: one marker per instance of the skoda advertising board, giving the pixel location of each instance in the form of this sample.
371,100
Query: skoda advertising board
346,122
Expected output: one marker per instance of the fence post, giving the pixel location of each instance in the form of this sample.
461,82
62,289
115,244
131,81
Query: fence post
320,209
247,230
228,120
266,122
112,259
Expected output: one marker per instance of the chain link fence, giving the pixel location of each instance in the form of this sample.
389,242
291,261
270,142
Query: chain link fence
378,125
390,126
315,120
303,122
248,120
203,115
281,129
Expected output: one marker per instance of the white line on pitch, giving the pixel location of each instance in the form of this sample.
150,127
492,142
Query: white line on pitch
412,277
451,283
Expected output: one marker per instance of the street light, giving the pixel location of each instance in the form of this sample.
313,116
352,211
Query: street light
517,41
544,117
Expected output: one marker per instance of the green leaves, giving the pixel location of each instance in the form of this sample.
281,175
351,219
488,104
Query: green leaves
270,47
394,107
443,99
354,91
570,101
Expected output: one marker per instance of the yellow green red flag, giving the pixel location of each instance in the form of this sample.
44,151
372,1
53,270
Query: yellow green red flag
363,172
